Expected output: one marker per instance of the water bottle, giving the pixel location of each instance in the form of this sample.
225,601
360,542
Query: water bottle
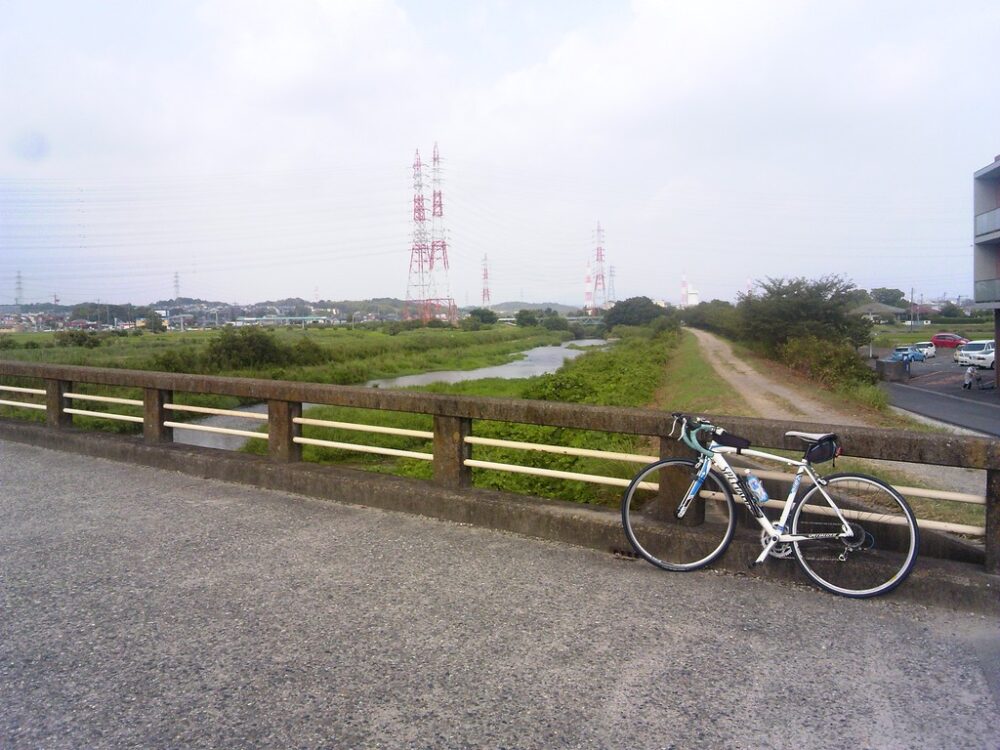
756,487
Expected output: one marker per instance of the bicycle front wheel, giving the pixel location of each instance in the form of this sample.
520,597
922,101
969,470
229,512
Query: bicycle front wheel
649,515
881,548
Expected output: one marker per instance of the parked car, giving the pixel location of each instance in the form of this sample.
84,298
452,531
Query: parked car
948,340
927,347
979,353
912,352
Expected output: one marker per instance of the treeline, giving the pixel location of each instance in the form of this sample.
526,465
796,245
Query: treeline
109,313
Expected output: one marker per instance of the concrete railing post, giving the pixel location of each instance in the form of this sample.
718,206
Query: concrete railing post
154,415
450,452
55,402
992,521
673,487
282,430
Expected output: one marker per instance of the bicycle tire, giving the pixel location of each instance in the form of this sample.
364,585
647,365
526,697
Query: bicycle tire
658,536
862,566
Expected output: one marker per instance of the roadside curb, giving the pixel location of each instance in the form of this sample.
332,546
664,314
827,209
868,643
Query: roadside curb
934,582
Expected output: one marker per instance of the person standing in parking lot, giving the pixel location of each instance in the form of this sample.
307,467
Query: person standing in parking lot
970,374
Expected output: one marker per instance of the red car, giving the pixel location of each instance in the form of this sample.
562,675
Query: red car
948,340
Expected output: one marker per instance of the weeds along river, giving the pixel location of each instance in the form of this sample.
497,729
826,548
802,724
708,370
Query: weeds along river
538,361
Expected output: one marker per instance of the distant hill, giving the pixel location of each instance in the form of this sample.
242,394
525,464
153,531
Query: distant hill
181,301
513,307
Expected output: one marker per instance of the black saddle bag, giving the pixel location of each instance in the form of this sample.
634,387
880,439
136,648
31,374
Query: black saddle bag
823,451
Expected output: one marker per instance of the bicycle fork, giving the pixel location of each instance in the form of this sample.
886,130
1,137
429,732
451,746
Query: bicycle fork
696,484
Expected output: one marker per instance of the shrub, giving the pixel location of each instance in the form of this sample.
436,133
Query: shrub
635,311
786,309
244,349
86,339
834,364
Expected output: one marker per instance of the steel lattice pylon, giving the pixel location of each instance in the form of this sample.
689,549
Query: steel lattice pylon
429,252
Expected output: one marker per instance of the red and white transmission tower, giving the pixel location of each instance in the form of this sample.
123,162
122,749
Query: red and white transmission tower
600,290
588,292
486,283
428,255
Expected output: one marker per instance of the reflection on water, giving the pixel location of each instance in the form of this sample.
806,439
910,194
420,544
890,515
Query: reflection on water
538,361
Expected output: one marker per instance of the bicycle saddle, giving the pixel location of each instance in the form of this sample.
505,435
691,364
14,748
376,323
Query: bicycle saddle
810,437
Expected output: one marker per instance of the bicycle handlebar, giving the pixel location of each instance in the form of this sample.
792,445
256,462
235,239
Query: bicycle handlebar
688,435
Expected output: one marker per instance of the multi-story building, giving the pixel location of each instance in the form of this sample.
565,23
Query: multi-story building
986,235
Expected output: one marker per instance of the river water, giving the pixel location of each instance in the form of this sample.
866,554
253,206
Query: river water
538,361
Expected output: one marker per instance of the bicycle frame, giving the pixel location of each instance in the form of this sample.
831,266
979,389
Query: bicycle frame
715,457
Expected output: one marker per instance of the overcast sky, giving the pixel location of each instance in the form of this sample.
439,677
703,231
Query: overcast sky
262,150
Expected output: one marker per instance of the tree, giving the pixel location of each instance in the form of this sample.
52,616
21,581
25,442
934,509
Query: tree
794,308
154,322
526,318
718,316
891,297
555,322
951,310
483,315
635,311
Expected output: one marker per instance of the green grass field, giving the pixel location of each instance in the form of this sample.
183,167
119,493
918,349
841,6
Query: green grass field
665,371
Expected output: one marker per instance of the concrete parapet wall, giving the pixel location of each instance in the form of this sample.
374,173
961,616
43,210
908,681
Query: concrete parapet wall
938,582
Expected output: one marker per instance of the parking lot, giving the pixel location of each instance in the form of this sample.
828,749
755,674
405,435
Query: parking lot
941,373
935,390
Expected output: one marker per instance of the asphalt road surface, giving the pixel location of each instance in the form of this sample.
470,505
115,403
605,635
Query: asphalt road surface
148,609
935,390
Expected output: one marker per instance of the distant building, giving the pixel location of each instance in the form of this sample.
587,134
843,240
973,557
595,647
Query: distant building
986,255
689,295
986,252
879,313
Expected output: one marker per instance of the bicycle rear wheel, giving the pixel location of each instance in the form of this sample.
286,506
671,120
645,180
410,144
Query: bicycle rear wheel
881,551
651,524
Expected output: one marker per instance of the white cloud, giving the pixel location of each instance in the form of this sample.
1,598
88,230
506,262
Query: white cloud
747,138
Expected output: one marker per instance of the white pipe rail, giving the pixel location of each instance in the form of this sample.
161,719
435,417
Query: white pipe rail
262,416
23,405
104,399
218,430
364,448
562,449
615,482
958,497
18,389
105,415
425,434
782,476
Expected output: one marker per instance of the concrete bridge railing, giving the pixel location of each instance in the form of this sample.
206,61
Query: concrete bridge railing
50,389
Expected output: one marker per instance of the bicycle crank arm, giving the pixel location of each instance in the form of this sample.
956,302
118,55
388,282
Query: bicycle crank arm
763,555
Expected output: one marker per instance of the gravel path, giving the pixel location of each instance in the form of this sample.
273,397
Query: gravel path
774,400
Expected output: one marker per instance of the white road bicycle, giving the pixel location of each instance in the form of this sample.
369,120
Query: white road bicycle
852,534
